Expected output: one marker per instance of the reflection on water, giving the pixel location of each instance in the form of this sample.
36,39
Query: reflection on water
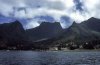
49,58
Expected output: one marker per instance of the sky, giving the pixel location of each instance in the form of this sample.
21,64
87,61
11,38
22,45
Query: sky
32,12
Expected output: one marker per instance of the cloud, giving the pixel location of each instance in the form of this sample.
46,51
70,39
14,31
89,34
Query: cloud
92,7
63,22
5,9
76,10
32,23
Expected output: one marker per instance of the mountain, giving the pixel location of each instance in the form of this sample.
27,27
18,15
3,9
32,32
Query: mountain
92,23
12,32
50,34
78,31
77,35
44,31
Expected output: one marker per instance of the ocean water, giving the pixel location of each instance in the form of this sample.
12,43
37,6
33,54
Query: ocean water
49,58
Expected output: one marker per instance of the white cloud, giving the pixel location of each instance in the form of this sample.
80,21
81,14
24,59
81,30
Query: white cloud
91,7
54,8
32,23
68,3
20,14
5,9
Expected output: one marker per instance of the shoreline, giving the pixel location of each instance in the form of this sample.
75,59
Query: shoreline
77,50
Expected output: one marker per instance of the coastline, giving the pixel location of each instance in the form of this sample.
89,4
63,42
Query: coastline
76,50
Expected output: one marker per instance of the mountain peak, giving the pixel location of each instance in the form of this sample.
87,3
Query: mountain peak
92,23
49,23
92,19
45,30
74,24
12,26
16,22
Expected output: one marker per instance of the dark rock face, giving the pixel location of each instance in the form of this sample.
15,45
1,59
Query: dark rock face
77,35
12,32
79,32
51,34
44,31
87,30
92,23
